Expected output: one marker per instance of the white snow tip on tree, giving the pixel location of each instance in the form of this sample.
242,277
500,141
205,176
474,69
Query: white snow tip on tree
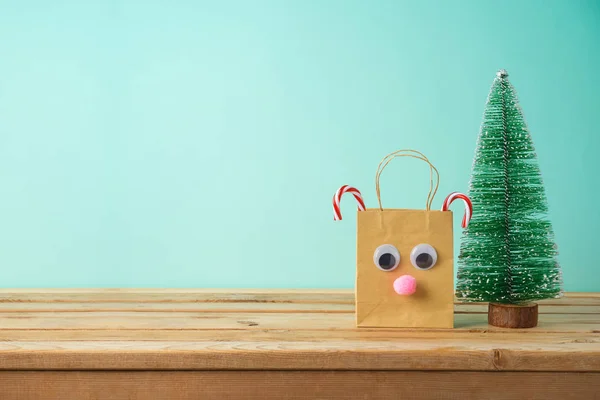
502,73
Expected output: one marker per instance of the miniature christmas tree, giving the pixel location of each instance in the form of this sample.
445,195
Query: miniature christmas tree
507,254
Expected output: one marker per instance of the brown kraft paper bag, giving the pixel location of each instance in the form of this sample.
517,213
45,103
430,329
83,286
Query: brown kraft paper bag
404,271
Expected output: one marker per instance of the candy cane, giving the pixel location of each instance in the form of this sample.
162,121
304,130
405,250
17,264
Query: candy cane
468,206
337,214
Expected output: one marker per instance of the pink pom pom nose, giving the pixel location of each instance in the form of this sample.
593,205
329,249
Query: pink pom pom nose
405,285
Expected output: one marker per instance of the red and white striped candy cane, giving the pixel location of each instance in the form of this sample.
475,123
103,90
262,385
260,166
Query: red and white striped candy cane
337,214
468,206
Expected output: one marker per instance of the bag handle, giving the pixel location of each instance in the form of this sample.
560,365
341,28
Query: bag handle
414,154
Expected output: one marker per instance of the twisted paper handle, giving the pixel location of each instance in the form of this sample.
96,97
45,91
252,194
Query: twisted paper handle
419,156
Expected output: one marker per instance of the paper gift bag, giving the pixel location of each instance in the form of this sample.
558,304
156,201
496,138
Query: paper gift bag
404,258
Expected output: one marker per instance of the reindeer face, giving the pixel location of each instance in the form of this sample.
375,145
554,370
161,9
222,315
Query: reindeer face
405,274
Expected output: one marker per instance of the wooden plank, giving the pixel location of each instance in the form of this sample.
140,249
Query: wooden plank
206,307
343,296
543,309
583,294
344,354
165,292
296,320
538,339
247,307
177,295
218,291
564,301
276,385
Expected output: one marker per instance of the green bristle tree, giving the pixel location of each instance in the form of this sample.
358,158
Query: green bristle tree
507,253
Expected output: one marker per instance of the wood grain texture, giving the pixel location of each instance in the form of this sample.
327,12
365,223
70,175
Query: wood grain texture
246,319
513,316
329,296
277,385
263,307
342,355
203,330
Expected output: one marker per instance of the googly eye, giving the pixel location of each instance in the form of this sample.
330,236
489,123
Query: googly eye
386,257
423,256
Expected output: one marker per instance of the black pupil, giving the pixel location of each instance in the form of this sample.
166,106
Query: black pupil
424,260
387,261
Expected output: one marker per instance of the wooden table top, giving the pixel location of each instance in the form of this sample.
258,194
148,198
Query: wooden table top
171,329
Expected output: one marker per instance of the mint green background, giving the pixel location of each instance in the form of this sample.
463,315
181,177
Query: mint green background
198,144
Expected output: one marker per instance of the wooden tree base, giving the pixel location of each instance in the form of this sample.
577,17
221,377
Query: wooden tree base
512,315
